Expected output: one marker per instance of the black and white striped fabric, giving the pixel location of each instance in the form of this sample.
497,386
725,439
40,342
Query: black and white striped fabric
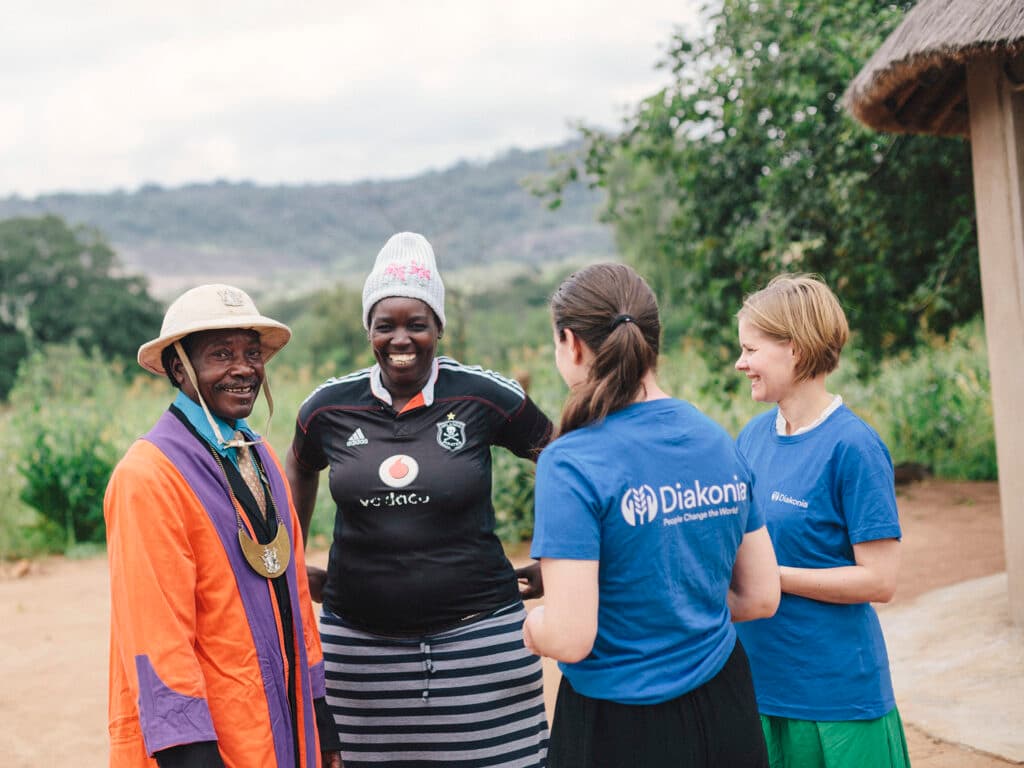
469,696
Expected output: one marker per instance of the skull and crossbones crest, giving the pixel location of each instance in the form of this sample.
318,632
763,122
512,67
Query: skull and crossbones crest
451,433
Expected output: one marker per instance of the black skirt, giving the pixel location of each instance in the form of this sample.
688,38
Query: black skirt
714,726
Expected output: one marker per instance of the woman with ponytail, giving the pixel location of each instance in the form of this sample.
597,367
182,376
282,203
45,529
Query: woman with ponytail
650,547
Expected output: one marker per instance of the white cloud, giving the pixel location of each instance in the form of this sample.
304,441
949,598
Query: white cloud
308,91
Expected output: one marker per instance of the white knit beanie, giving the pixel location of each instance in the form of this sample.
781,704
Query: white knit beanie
405,267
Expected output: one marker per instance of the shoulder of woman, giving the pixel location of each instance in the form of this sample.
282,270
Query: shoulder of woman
852,430
504,391
563,458
338,388
858,447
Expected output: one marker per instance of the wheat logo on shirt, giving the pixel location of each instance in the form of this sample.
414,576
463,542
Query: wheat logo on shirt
639,505
398,471
357,438
451,434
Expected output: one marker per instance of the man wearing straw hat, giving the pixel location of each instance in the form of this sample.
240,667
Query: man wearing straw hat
215,658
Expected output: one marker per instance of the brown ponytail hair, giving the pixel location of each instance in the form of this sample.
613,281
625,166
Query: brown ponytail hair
612,310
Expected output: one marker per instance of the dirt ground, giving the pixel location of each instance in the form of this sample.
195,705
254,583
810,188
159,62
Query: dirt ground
54,617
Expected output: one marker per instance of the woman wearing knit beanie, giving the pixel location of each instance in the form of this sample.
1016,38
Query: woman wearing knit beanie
422,612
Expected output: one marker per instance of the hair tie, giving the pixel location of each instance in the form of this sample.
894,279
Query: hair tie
620,319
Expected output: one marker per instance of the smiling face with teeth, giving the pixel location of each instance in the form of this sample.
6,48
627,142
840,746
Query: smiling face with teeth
229,370
404,334
769,364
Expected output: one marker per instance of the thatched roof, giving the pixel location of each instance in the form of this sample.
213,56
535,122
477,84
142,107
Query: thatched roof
916,81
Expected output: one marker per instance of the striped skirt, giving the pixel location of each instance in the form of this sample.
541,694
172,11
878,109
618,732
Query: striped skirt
469,696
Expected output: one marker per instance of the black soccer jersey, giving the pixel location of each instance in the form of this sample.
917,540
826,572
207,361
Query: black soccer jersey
414,545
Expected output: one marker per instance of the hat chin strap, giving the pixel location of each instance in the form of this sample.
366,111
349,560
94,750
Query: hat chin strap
233,443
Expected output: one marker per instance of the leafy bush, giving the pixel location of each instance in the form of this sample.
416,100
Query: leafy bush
16,539
512,495
935,407
65,407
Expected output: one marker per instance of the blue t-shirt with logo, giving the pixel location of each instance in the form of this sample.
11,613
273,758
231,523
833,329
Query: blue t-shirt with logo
659,495
822,491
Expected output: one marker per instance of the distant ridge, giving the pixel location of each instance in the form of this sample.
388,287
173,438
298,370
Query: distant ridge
301,235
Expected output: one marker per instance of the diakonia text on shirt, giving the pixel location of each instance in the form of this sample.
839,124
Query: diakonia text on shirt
641,505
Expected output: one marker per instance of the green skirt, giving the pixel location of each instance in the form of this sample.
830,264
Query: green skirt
879,743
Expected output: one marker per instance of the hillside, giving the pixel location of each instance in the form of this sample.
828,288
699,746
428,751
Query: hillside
300,236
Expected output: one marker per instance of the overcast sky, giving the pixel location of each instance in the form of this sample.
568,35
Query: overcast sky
119,93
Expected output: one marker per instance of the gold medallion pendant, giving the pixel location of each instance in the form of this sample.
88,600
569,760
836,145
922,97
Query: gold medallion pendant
268,560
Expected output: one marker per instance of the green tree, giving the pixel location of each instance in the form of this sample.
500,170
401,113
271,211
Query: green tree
747,165
60,284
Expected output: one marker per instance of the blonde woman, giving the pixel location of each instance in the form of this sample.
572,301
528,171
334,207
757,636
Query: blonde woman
825,481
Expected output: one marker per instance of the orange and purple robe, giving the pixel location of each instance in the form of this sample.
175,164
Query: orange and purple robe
197,644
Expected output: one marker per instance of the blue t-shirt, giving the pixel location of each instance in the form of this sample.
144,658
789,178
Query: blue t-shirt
822,491
659,495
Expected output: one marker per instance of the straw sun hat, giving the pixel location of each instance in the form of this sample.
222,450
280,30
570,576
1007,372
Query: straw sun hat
209,308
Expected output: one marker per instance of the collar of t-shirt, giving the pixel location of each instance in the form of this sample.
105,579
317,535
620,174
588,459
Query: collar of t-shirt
425,397
197,418
780,420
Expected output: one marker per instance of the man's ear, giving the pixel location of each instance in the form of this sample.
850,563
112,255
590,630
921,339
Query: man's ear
178,370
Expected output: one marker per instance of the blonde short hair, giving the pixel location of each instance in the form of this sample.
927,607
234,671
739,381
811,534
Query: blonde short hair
803,310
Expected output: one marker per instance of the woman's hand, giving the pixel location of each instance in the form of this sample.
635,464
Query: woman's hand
331,760
317,577
527,633
531,583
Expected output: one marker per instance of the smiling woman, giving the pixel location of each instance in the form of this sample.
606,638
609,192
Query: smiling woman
825,482
419,598
404,335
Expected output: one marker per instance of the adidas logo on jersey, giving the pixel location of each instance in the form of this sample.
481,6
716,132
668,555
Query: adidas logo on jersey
357,438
